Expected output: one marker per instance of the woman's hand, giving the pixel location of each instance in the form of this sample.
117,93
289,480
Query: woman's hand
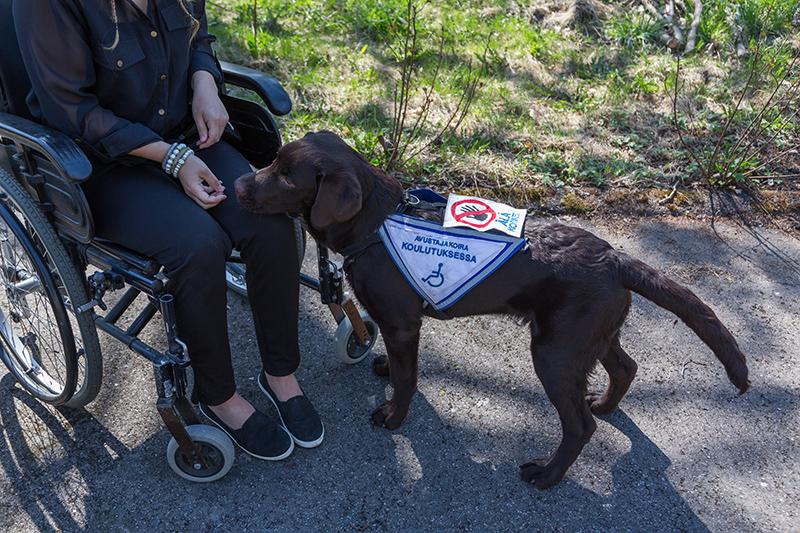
200,184
209,114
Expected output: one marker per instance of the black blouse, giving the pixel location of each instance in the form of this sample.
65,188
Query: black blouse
113,99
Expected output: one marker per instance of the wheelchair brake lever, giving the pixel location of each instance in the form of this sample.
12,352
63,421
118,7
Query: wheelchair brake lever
88,306
99,283
231,131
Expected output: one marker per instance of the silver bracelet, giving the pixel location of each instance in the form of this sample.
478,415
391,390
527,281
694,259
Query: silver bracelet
182,161
175,158
166,156
171,156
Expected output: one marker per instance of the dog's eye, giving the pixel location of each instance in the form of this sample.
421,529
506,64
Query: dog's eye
283,181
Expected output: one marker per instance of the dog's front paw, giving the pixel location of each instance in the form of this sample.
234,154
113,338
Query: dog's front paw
541,473
386,416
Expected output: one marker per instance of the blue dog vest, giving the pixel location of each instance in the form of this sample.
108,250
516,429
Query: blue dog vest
443,264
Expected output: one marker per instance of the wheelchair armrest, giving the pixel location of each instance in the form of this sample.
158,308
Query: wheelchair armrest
267,87
55,146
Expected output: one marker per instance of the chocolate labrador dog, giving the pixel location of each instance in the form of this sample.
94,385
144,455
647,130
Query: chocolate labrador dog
570,286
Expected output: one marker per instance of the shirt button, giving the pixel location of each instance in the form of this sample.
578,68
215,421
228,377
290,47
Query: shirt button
153,34
162,112
163,77
120,63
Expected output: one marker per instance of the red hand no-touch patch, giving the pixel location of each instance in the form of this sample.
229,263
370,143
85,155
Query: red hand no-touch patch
472,209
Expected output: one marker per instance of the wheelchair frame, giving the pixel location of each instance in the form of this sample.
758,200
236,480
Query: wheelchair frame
50,166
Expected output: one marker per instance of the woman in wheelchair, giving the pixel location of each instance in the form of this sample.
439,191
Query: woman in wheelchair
127,79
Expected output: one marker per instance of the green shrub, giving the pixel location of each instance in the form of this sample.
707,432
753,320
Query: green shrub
635,31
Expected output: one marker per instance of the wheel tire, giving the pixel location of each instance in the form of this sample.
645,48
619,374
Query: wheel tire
301,239
234,276
235,272
345,342
71,286
218,450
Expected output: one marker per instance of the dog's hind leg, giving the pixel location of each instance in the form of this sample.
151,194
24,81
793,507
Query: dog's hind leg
621,371
558,366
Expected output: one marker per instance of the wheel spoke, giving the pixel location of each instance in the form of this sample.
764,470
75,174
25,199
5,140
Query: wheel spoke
30,333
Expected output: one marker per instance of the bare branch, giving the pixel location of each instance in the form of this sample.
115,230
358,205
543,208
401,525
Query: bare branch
713,160
422,115
689,149
465,102
668,198
732,156
776,177
401,137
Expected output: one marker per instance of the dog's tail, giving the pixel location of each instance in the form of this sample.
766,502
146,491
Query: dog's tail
659,289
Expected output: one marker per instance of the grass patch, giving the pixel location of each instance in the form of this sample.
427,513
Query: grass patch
558,106
574,204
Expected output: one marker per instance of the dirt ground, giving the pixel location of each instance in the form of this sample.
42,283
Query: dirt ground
684,452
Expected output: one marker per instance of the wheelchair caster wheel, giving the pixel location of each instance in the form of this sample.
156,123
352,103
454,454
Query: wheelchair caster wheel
234,276
217,450
348,349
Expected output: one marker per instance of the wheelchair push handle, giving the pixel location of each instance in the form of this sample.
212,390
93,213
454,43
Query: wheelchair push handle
266,87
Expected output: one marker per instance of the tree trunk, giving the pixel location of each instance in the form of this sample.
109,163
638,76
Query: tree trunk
255,19
673,21
691,41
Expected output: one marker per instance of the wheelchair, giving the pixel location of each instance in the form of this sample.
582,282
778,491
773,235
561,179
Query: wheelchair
56,273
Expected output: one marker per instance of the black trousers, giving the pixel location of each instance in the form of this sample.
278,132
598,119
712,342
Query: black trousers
143,209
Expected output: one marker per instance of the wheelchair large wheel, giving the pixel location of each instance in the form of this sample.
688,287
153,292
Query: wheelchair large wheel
235,272
53,352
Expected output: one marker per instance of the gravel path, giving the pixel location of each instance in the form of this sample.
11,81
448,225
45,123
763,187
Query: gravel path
684,452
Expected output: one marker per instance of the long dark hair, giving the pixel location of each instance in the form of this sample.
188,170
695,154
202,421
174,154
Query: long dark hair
115,18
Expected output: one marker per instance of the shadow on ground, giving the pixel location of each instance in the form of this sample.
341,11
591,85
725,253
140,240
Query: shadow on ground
684,452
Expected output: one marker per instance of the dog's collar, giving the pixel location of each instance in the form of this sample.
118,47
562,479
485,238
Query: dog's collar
352,252
409,202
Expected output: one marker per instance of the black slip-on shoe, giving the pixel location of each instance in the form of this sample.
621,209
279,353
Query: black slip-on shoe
260,436
297,415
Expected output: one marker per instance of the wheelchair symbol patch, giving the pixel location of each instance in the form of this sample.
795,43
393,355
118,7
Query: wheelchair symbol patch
443,265
435,278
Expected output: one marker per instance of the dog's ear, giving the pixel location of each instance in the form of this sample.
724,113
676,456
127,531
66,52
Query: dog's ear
338,198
